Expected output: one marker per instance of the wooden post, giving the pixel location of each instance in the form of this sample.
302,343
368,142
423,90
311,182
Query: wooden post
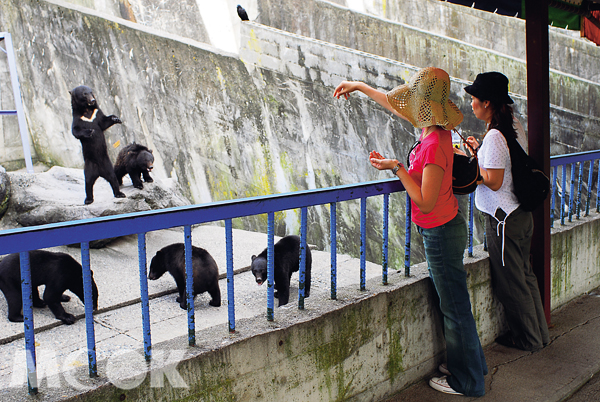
538,114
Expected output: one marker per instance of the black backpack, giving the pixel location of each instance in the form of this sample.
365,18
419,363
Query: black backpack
531,183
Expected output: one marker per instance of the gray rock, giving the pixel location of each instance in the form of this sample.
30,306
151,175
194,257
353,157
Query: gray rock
4,191
58,194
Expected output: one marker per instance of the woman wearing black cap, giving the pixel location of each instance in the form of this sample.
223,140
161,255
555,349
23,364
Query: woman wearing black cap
508,227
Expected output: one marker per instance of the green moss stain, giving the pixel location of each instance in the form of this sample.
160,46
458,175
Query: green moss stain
212,384
397,315
330,349
562,262
394,366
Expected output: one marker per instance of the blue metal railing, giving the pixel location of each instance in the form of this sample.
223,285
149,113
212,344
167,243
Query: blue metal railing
23,240
570,164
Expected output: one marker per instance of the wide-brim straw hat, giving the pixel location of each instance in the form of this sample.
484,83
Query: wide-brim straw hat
424,100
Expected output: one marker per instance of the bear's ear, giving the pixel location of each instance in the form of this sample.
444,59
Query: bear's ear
253,257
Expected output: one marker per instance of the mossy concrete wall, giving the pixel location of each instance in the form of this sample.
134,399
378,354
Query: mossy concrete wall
216,23
419,32
575,261
228,126
421,41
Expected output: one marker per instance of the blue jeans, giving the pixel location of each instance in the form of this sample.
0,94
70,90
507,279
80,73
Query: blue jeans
444,249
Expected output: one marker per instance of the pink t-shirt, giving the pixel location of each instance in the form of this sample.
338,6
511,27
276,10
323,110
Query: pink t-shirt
436,148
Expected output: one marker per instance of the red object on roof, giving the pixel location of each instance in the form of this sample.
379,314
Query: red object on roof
590,30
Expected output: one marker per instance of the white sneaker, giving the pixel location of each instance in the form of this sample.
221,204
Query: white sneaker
443,368
441,384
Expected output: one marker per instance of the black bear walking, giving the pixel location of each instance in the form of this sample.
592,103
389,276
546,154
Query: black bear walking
286,261
206,273
88,127
58,271
137,161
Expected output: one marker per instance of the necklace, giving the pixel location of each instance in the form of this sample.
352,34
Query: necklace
429,130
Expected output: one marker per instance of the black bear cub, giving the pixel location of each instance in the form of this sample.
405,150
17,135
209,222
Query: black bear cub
286,261
58,271
206,273
137,161
88,127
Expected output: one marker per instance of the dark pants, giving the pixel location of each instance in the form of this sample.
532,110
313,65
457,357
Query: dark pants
514,282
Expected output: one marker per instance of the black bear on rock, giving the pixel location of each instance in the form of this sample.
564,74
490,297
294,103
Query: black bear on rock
286,261
137,161
206,273
88,127
58,271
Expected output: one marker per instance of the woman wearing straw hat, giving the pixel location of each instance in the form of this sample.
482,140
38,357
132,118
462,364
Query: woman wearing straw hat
424,102
508,227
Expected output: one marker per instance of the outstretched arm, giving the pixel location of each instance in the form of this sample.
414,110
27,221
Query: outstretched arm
347,87
426,195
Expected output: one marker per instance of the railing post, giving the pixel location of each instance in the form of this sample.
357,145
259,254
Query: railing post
598,190
407,229
189,285
26,292
579,185
230,288
302,268
270,266
333,242
384,251
363,243
564,194
571,201
89,308
589,186
144,296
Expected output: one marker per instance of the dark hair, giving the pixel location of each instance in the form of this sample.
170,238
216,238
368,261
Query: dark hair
502,119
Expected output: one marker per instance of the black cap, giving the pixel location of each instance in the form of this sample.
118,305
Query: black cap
492,86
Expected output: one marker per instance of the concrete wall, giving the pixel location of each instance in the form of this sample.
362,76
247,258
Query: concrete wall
569,53
575,261
364,346
314,60
217,24
418,45
224,129
225,126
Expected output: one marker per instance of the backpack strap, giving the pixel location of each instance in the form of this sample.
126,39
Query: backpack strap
471,149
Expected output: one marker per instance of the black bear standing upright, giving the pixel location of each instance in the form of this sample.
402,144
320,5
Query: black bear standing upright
286,261
135,160
206,273
58,271
88,127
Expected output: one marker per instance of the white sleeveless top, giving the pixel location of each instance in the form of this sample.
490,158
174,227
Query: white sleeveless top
493,154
